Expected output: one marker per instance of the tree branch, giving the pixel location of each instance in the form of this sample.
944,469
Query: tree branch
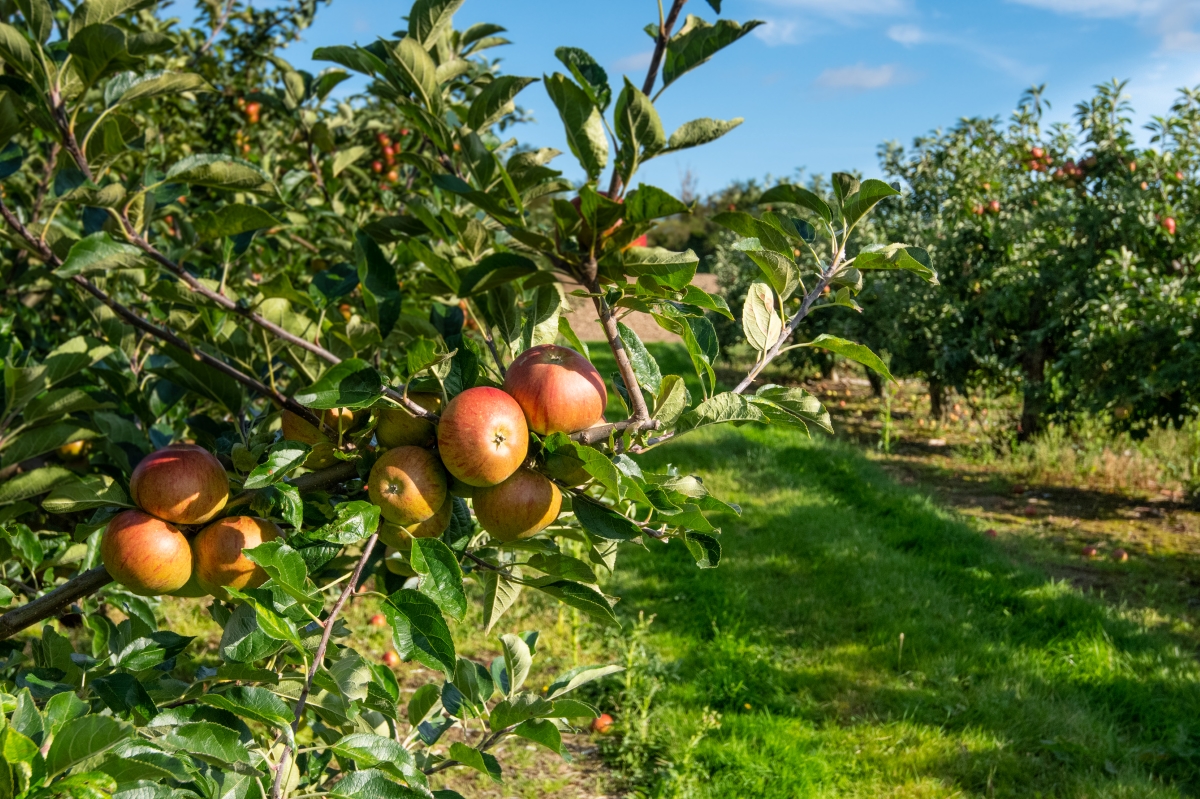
47,605
641,414
318,659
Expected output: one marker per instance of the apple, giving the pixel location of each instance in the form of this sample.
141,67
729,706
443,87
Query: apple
72,450
994,206
146,555
396,561
379,620
557,388
217,555
377,167
1090,552
400,536
1037,152
1120,555
1168,224
991,533
1031,511
182,483
520,507
460,489
602,723
391,659
396,427
482,436
297,428
408,484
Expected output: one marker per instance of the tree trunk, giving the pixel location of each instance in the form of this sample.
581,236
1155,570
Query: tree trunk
876,383
937,399
1033,405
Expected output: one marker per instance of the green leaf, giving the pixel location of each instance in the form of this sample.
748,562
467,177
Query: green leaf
495,270
796,402
95,12
12,156
672,400
582,122
428,19
97,50
674,269
638,128
897,256
39,17
855,352
726,407
16,52
380,286
697,41
779,269
46,438
353,383
518,659
590,75
473,758
233,220
422,702
441,576
699,337
346,157
284,565
419,631
94,491
129,87
705,548
521,706
122,693
495,101
30,484
580,675
564,566
207,741
270,623
844,185
574,709
99,253
649,202
282,459
604,523
562,451
418,70
250,702
220,172
582,597
760,319
870,192
371,784
796,195
542,731
482,200
369,750
82,739
499,594
242,641
353,521
644,366
699,131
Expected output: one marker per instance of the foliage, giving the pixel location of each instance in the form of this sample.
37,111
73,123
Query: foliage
198,239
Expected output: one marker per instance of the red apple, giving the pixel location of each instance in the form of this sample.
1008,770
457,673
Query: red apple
558,389
1120,555
217,555
1090,552
482,436
1031,511
396,427
991,533
1169,225
994,206
520,507
378,620
182,483
391,659
146,555
1037,152
602,723
408,484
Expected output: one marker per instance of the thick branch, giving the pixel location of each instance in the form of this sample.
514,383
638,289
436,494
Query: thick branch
594,435
51,604
318,659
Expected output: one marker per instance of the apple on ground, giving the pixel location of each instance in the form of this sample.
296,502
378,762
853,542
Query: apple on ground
1090,552
558,389
990,533
1120,555
182,483
520,507
408,484
146,555
218,558
482,436
396,427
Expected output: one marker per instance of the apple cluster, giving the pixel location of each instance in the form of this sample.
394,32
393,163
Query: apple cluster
479,450
153,551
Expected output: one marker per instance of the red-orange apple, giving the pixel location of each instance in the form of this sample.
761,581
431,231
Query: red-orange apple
408,484
482,436
400,536
146,555
217,556
520,507
182,483
557,388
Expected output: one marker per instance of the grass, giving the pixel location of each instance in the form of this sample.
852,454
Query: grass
1008,683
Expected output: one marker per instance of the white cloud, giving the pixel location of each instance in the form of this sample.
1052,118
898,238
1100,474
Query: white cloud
838,8
633,63
777,32
861,77
1094,8
907,35
1173,20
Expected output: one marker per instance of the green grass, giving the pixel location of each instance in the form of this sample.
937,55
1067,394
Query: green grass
1009,684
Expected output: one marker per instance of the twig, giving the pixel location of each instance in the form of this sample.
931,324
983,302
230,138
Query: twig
221,22
641,414
89,582
318,659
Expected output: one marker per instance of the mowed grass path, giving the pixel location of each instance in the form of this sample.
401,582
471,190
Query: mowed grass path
1008,684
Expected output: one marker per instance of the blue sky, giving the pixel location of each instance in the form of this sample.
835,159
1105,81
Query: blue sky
824,82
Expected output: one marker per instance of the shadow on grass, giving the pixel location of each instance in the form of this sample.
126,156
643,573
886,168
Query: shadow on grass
1008,683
